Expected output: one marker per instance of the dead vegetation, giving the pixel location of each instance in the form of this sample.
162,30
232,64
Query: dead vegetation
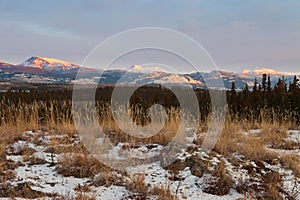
292,162
80,166
22,190
34,160
233,140
163,193
219,183
137,186
75,161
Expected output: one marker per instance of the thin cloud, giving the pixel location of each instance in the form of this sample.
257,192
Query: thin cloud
235,33
42,30
49,31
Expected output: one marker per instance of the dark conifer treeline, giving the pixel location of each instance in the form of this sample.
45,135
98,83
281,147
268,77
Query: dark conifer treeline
280,103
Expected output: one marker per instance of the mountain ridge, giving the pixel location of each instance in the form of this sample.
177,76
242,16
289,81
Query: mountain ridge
51,70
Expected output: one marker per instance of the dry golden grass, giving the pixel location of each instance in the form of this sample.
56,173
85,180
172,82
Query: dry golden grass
80,166
116,134
221,183
21,117
2,157
77,148
292,162
162,193
273,183
83,193
233,140
272,134
22,190
108,178
11,133
137,186
76,162
33,160
275,137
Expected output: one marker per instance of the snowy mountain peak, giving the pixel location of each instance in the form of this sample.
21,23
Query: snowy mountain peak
49,64
146,69
261,71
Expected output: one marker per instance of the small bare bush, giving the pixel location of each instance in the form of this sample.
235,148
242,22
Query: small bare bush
162,193
83,193
109,178
292,162
80,166
22,190
34,160
137,185
273,184
220,183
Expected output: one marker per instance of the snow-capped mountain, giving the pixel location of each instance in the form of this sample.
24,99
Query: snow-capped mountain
146,69
257,72
41,70
227,77
49,64
50,70
274,75
166,78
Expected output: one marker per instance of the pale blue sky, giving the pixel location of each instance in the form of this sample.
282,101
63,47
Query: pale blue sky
237,34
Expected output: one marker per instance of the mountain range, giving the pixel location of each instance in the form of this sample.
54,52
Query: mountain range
50,70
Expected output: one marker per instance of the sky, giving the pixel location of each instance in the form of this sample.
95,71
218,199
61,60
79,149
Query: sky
237,34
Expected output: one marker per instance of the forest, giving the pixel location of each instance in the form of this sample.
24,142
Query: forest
280,103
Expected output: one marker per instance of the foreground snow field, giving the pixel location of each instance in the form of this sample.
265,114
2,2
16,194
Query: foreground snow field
51,166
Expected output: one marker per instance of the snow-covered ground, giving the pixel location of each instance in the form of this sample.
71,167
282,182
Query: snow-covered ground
43,176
